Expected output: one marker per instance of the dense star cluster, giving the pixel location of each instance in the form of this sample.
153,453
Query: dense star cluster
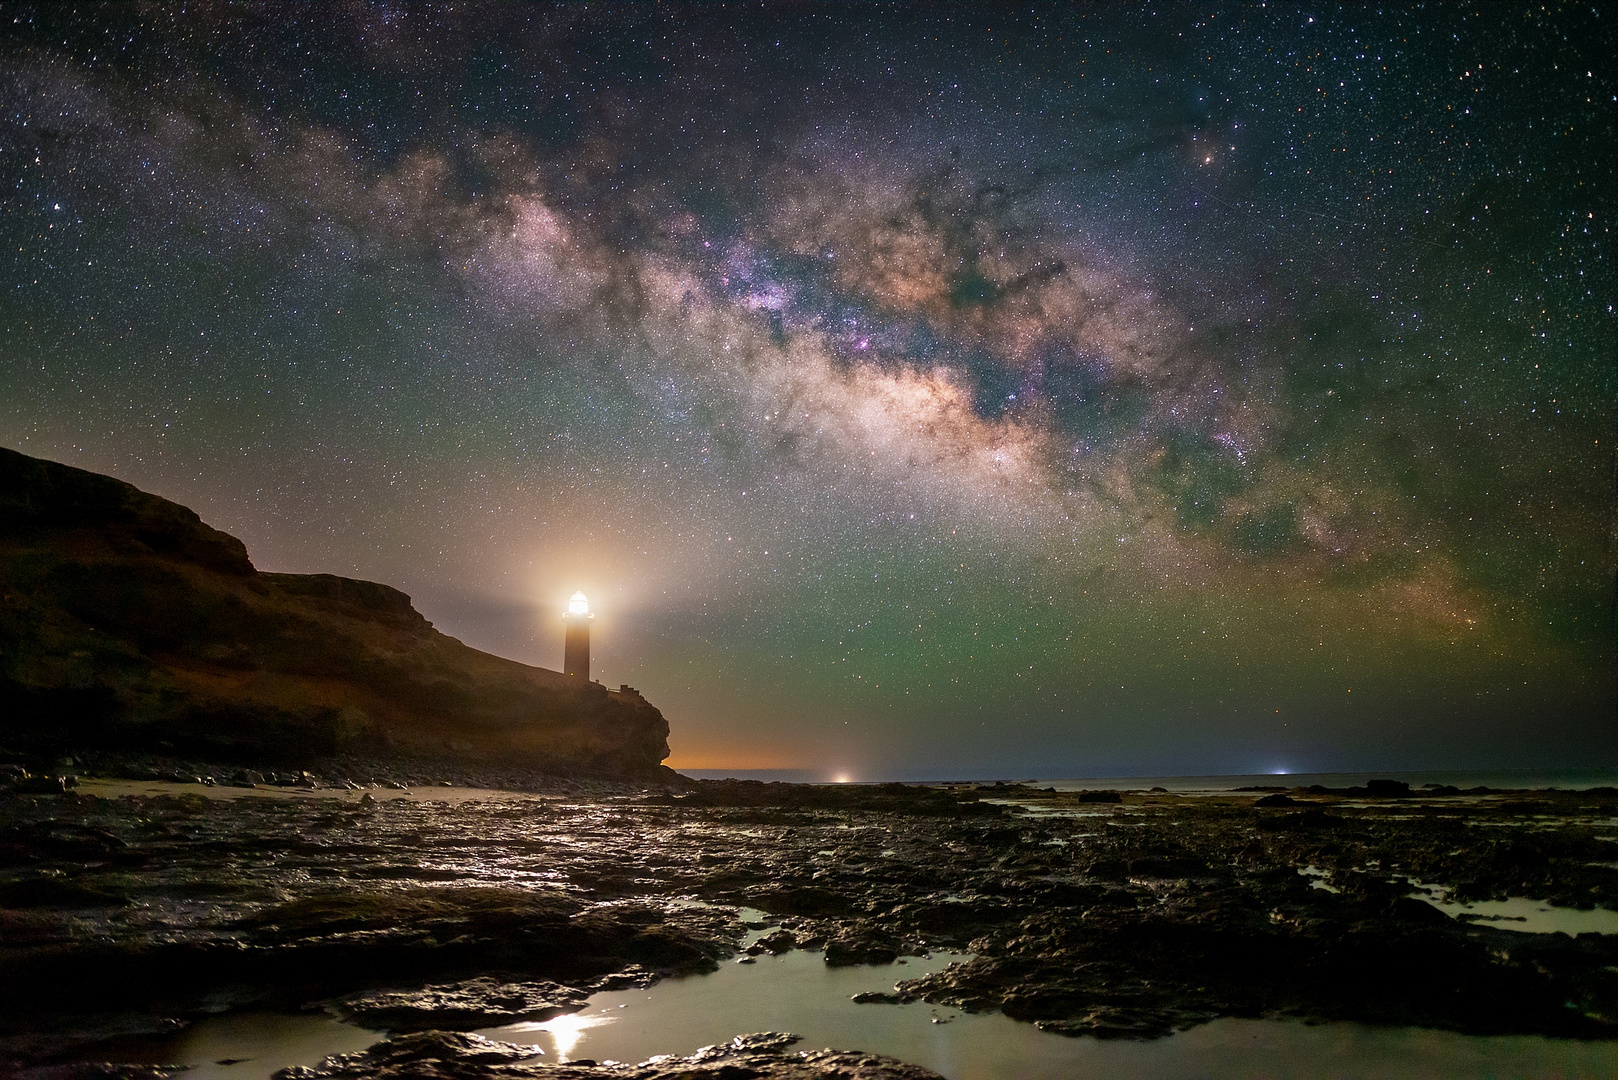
914,389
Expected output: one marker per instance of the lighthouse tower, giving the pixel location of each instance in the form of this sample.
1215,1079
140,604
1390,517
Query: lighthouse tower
576,646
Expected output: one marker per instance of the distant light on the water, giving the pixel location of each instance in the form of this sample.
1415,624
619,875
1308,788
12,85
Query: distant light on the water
1280,772
842,778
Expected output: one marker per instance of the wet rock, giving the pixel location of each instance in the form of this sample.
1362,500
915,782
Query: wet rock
1000,838
1310,819
438,1055
776,942
878,997
100,1070
335,944
866,947
1411,910
42,785
543,932
802,900
59,893
633,977
1100,797
1388,789
1116,1023
473,1003
53,840
1280,798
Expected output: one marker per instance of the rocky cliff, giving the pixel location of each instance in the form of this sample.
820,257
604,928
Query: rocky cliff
127,623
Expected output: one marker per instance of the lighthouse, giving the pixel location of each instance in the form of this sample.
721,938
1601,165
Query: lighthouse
576,646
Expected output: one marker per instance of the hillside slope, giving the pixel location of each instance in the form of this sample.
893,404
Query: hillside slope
126,622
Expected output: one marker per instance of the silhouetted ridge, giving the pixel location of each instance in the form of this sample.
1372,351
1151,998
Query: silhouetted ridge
38,496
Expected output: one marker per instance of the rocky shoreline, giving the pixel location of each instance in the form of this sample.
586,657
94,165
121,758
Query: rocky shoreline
1133,914
385,771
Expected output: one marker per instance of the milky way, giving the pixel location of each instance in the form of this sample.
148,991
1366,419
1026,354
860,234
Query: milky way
916,391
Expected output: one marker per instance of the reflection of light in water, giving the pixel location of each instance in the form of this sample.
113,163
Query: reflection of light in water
565,1031
797,992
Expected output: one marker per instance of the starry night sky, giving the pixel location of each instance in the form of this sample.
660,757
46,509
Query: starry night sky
916,390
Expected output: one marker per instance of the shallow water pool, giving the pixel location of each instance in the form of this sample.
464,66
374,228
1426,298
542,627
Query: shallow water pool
1532,916
243,1046
797,992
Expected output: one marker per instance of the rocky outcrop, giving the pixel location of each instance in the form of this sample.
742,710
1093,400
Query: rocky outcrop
128,623
438,1055
472,1003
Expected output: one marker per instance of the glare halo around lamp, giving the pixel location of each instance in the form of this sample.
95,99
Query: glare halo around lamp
576,646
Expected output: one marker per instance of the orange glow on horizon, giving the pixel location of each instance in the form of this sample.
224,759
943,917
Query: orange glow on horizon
734,758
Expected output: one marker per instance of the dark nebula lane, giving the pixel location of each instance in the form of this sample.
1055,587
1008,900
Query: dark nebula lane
914,390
